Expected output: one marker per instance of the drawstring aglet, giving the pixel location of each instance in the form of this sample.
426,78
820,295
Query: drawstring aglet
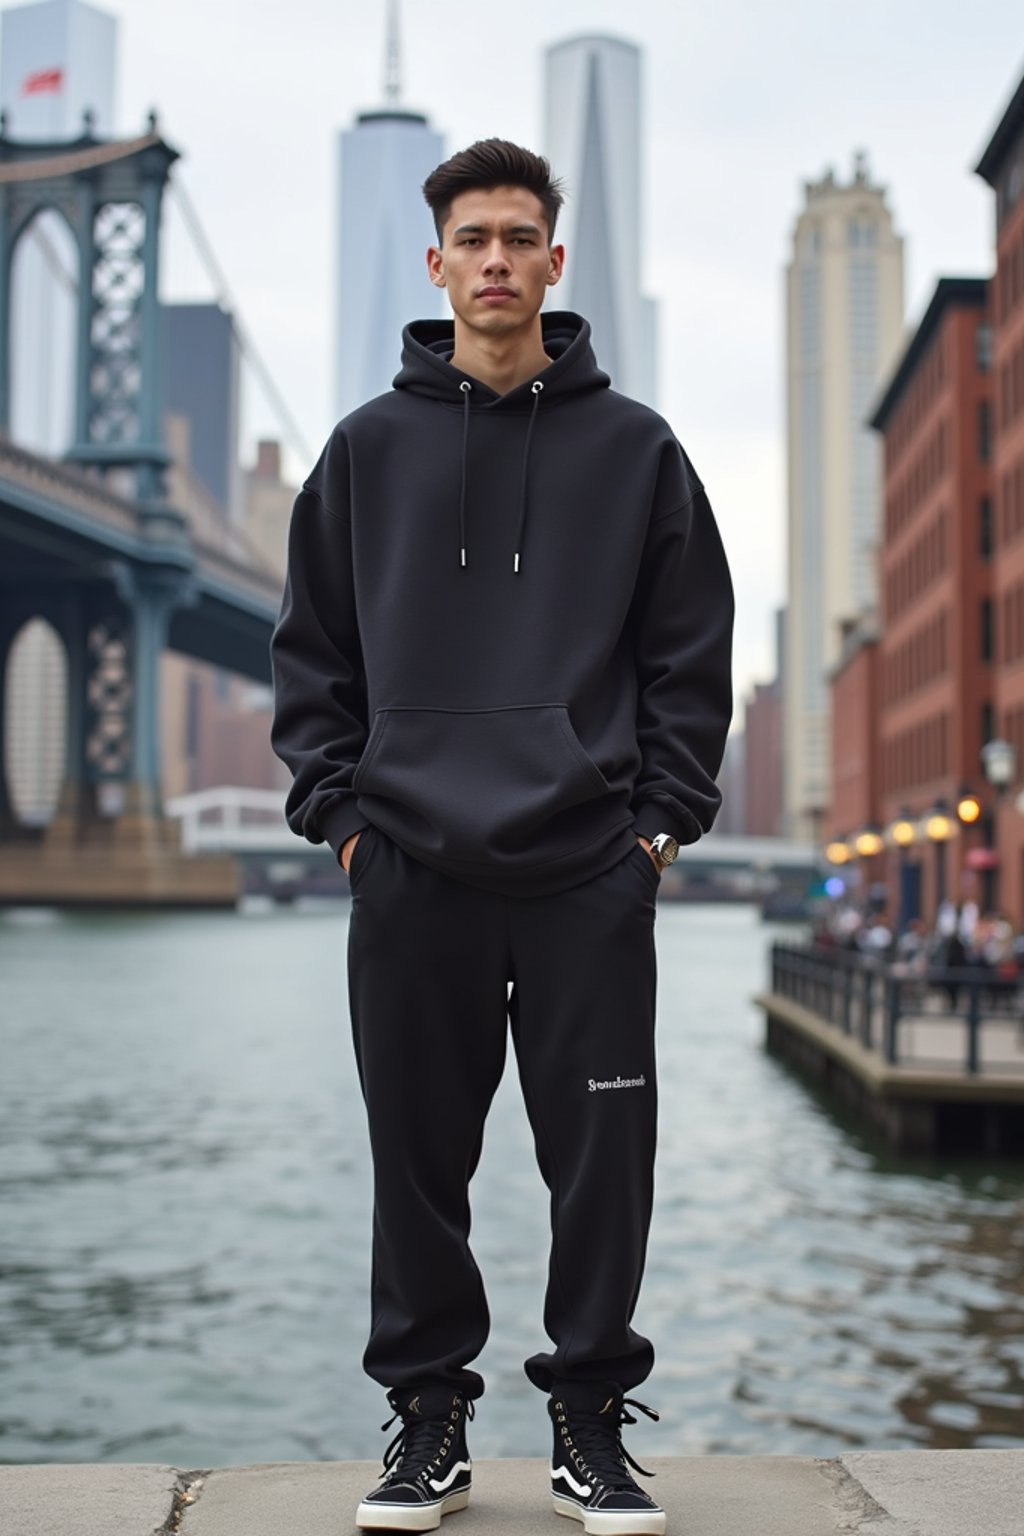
516,565
463,561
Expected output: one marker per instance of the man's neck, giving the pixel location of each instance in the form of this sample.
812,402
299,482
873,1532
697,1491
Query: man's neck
500,362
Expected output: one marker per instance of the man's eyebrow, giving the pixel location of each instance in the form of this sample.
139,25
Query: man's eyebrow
511,229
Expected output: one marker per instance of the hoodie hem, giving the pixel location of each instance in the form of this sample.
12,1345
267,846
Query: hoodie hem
542,879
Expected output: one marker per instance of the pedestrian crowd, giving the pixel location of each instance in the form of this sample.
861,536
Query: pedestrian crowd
962,936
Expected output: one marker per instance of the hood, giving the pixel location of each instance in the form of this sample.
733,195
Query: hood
428,345
427,349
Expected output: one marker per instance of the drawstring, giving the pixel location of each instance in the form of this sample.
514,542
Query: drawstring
466,387
537,387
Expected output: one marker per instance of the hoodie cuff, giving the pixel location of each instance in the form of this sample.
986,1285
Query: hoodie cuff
338,822
651,817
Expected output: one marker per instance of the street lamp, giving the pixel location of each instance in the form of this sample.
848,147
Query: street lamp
902,835
968,807
999,761
868,843
903,832
939,828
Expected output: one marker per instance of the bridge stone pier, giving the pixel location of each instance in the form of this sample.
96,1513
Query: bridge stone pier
91,545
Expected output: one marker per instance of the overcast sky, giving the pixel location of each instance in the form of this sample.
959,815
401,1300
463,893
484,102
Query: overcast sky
743,103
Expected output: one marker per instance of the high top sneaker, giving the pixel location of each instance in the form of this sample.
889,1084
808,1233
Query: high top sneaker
590,1480
427,1470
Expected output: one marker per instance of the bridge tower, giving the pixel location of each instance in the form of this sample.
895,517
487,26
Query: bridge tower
114,617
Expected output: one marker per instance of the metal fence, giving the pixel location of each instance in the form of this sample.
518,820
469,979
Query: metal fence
903,1014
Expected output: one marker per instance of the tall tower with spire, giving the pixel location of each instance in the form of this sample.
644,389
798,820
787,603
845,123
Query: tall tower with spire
384,230
592,136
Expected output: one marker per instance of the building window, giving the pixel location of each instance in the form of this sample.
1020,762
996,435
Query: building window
986,629
988,728
985,528
983,347
984,432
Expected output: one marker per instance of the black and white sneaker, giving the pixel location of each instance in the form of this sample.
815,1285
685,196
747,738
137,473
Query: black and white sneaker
427,1471
590,1480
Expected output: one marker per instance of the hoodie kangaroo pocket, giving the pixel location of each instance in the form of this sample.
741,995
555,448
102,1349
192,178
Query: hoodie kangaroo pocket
474,785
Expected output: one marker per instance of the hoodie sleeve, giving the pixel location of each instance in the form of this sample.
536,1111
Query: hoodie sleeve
319,726
684,606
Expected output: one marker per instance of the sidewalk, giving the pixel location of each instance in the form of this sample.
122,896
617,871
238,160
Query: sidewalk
887,1493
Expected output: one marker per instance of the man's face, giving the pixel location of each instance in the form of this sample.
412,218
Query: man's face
494,260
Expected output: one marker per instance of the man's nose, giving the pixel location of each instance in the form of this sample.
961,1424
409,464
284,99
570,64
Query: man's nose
495,258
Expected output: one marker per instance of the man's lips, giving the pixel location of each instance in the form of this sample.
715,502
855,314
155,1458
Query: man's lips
495,293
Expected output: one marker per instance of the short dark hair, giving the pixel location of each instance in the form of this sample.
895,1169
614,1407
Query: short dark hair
492,163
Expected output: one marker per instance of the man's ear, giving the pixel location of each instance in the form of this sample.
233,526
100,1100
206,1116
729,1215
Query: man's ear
435,266
555,264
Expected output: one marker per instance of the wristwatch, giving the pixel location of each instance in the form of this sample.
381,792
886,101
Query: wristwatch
665,848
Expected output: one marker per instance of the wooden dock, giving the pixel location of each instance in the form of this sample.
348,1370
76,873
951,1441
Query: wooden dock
936,1066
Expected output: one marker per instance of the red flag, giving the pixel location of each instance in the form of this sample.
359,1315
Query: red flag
43,80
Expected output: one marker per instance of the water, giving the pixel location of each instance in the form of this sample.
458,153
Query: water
184,1217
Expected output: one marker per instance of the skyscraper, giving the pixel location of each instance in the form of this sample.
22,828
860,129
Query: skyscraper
844,307
200,380
592,91
385,228
57,60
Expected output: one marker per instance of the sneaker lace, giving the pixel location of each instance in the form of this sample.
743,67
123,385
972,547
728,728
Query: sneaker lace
598,1439
415,1448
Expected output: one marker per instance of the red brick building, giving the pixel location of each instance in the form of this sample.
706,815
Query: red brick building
1002,167
935,660
855,788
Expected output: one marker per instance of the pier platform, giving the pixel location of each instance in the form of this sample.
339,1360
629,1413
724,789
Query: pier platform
934,1061
864,1493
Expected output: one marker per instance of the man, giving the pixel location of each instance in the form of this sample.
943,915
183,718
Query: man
502,684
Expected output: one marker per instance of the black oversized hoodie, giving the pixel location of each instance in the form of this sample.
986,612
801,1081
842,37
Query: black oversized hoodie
505,635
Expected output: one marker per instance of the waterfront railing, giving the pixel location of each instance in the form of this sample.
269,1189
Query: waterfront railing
965,1018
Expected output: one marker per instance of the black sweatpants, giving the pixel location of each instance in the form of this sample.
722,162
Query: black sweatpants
429,959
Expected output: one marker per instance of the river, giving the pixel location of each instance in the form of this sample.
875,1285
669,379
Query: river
184,1217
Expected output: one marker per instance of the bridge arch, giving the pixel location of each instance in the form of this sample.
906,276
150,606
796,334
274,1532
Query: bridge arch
43,304
33,740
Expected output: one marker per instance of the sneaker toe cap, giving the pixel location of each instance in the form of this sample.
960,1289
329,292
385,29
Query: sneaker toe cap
396,1493
625,1501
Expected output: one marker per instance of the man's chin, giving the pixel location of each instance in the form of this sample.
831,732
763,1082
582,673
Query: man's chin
496,320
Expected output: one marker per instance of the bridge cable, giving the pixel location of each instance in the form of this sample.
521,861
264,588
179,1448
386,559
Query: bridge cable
225,298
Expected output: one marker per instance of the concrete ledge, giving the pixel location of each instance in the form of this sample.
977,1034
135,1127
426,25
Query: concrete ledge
70,1500
885,1493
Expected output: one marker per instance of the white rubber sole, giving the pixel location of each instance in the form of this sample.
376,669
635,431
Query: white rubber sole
409,1517
602,1522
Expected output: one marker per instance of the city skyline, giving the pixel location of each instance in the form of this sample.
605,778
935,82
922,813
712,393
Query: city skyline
738,114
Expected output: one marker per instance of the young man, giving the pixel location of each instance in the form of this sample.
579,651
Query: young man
503,686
